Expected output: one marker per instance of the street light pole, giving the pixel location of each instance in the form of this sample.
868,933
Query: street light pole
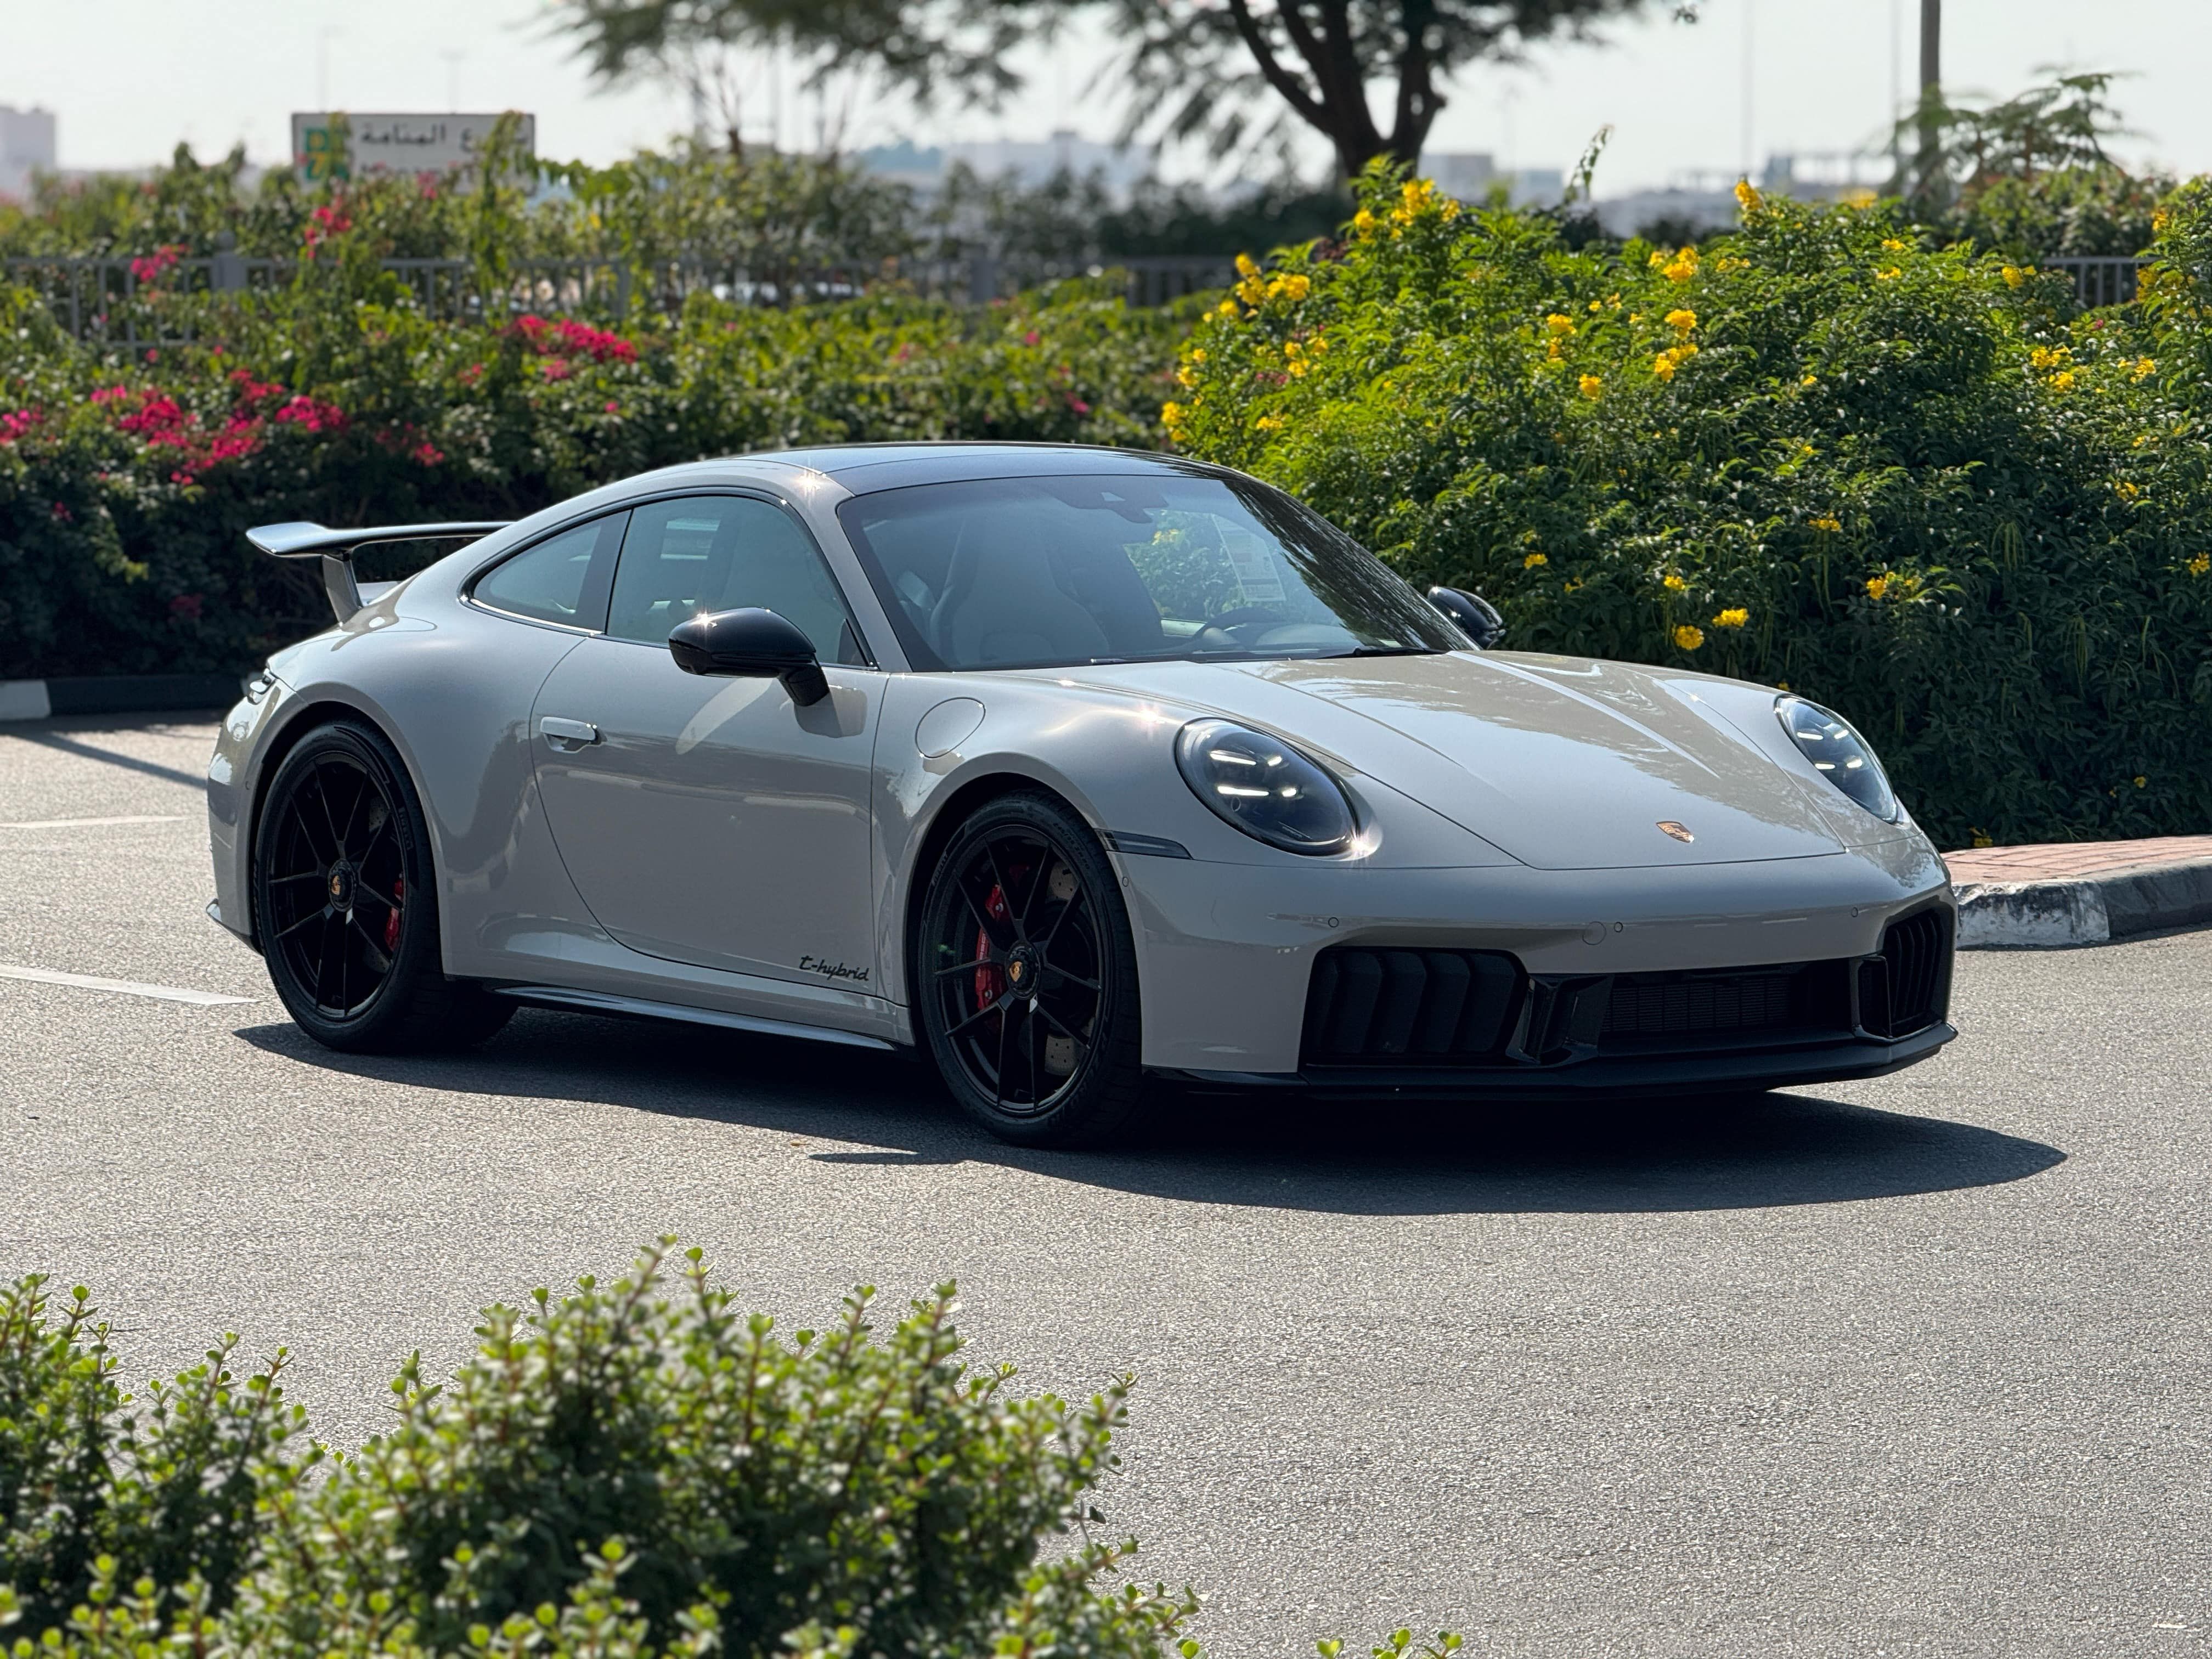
1931,93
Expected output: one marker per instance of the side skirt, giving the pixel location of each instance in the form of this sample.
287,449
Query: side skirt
601,1002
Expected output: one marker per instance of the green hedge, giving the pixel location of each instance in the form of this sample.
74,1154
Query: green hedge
1902,479
126,485
634,1468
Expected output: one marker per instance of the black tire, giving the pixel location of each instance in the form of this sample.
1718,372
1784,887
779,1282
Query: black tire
1023,892
345,902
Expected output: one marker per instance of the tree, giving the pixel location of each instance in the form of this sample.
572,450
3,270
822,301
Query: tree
1225,73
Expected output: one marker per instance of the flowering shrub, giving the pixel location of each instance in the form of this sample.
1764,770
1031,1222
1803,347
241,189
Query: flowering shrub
1907,481
126,486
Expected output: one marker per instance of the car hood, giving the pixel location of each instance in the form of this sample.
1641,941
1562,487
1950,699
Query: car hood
1562,762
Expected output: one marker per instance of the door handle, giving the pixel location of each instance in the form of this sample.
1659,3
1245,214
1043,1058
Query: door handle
567,735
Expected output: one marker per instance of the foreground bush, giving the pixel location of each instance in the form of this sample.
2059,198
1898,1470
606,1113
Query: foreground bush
1907,481
634,1468
125,486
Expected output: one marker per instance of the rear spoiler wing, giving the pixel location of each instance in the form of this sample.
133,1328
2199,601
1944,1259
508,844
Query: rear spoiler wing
336,549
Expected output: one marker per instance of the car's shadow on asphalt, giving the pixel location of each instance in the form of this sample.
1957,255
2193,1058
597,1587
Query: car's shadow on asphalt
1466,1157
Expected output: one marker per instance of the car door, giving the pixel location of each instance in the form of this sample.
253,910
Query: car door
710,820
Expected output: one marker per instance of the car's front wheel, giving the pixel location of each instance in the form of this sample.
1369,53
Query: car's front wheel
1027,977
345,902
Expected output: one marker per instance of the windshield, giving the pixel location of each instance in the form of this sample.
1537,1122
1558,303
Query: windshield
1050,573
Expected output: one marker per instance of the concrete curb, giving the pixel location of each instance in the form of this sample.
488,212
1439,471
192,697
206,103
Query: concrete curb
2042,916
116,694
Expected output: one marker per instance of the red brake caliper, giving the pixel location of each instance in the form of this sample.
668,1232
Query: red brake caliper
391,917
990,978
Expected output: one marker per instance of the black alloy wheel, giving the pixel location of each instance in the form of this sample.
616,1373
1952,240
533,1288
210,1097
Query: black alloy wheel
345,903
1027,976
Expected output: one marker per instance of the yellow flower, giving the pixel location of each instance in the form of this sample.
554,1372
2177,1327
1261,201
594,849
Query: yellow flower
1559,324
1663,365
1672,583
1269,423
1735,617
1810,380
1746,198
1683,267
1553,352
1247,266
2200,564
1892,245
1876,586
2014,276
1689,638
1187,377
1171,414
1982,839
1534,560
1362,223
2143,368
1831,524
1316,345
2143,783
2050,356
1198,354
2127,492
1226,308
2159,220
1889,276
1592,386
1682,321
1597,305
2063,381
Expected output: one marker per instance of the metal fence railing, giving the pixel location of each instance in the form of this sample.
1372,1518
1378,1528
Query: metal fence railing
156,300
2099,280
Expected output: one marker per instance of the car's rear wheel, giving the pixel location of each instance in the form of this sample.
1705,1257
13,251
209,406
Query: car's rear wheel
345,901
1027,977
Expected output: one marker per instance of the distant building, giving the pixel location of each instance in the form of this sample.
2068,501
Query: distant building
1702,200
1029,163
1471,175
27,145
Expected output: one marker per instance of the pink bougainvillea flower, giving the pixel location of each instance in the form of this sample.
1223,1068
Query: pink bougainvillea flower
429,453
312,413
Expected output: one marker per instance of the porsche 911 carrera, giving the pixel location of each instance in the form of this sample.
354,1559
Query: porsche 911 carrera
1070,771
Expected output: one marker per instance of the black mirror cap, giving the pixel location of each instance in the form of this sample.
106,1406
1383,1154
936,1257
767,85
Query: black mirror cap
749,642
1477,617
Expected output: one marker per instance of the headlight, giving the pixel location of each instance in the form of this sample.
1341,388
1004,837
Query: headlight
1840,753
1265,788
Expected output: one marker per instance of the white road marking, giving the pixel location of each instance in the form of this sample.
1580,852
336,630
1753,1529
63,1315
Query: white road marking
127,987
85,823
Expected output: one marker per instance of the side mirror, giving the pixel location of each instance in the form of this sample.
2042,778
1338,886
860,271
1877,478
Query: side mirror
1477,617
749,642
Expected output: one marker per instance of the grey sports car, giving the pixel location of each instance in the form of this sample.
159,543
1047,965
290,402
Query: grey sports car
1072,769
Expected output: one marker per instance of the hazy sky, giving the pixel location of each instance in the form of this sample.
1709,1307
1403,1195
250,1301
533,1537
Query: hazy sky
129,78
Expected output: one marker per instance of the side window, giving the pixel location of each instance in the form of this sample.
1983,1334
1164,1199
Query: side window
563,579
718,553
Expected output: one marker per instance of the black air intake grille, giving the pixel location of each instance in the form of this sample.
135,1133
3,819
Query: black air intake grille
1390,1007
1688,1005
1907,988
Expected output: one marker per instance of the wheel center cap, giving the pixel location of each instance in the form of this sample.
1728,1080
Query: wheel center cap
341,886
1021,967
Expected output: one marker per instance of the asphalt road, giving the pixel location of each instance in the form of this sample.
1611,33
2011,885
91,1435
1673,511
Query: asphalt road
1912,1367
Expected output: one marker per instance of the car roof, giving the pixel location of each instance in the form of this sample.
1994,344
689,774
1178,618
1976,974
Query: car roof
865,468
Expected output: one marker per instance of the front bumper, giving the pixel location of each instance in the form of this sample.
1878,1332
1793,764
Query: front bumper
1226,952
